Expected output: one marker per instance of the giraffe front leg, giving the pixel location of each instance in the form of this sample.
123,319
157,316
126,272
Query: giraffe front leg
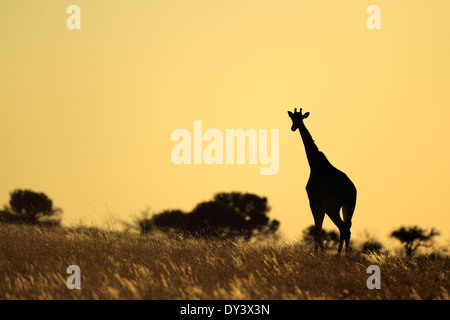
318,221
347,236
334,216
341,240
318,241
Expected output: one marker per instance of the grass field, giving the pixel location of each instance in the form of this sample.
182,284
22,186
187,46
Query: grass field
33,264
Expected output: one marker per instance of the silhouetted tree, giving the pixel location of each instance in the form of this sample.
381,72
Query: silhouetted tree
26,206
372,246
215,219
166,221
330,238
228,215
413,238
252,210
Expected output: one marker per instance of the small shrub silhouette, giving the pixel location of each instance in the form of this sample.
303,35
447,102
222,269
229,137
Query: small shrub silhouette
26,206
414,237
167,221
372,246
330,238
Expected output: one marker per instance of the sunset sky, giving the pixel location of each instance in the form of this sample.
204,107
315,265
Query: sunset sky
87,115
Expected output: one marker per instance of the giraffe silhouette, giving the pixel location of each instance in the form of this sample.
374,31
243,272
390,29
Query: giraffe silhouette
328,188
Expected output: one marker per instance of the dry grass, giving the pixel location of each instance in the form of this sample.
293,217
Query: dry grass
33,263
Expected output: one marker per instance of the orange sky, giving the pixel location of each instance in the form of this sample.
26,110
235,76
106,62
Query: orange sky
87,115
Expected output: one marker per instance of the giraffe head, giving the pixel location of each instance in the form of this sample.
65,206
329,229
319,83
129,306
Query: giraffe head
297,118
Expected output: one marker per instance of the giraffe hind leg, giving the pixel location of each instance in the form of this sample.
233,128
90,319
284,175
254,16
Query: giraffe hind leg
347,213
334,216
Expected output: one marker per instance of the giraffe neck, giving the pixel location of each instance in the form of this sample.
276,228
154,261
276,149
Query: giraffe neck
312,152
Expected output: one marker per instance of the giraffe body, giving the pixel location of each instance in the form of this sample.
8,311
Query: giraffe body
328,188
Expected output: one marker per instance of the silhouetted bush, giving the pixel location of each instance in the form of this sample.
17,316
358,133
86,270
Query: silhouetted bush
26,206
215,219
166,221
330,238
229,215
372,246
414,237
